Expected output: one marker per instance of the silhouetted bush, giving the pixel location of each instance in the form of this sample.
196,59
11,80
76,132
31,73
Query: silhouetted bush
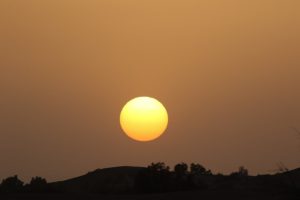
11,185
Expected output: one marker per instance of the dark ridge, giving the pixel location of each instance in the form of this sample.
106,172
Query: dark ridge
117,179
158,181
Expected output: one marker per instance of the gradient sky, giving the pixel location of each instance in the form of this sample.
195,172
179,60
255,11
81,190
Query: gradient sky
228,73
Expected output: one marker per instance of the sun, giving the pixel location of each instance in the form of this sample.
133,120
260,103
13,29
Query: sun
144,118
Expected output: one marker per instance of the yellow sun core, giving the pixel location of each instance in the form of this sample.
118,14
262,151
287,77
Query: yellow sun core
144,118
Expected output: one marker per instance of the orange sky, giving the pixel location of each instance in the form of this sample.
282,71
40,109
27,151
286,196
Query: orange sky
228,72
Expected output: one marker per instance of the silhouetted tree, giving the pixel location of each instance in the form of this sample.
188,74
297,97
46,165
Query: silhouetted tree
11,185
181,176
197,169
281,168
159,167
37,184
241,173
198,176
155,178
181,169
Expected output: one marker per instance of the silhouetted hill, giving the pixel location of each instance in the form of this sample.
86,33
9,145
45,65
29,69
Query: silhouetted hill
291,177
125,183
122,180
108,180
294,173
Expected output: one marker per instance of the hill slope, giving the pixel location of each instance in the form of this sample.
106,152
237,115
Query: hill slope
122,180
117,179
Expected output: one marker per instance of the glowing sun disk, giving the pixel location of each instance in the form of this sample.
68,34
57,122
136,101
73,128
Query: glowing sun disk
144,118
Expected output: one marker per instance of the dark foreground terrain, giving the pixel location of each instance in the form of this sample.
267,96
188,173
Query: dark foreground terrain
158,182
188,195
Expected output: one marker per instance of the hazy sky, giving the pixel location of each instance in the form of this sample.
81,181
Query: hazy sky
228,73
